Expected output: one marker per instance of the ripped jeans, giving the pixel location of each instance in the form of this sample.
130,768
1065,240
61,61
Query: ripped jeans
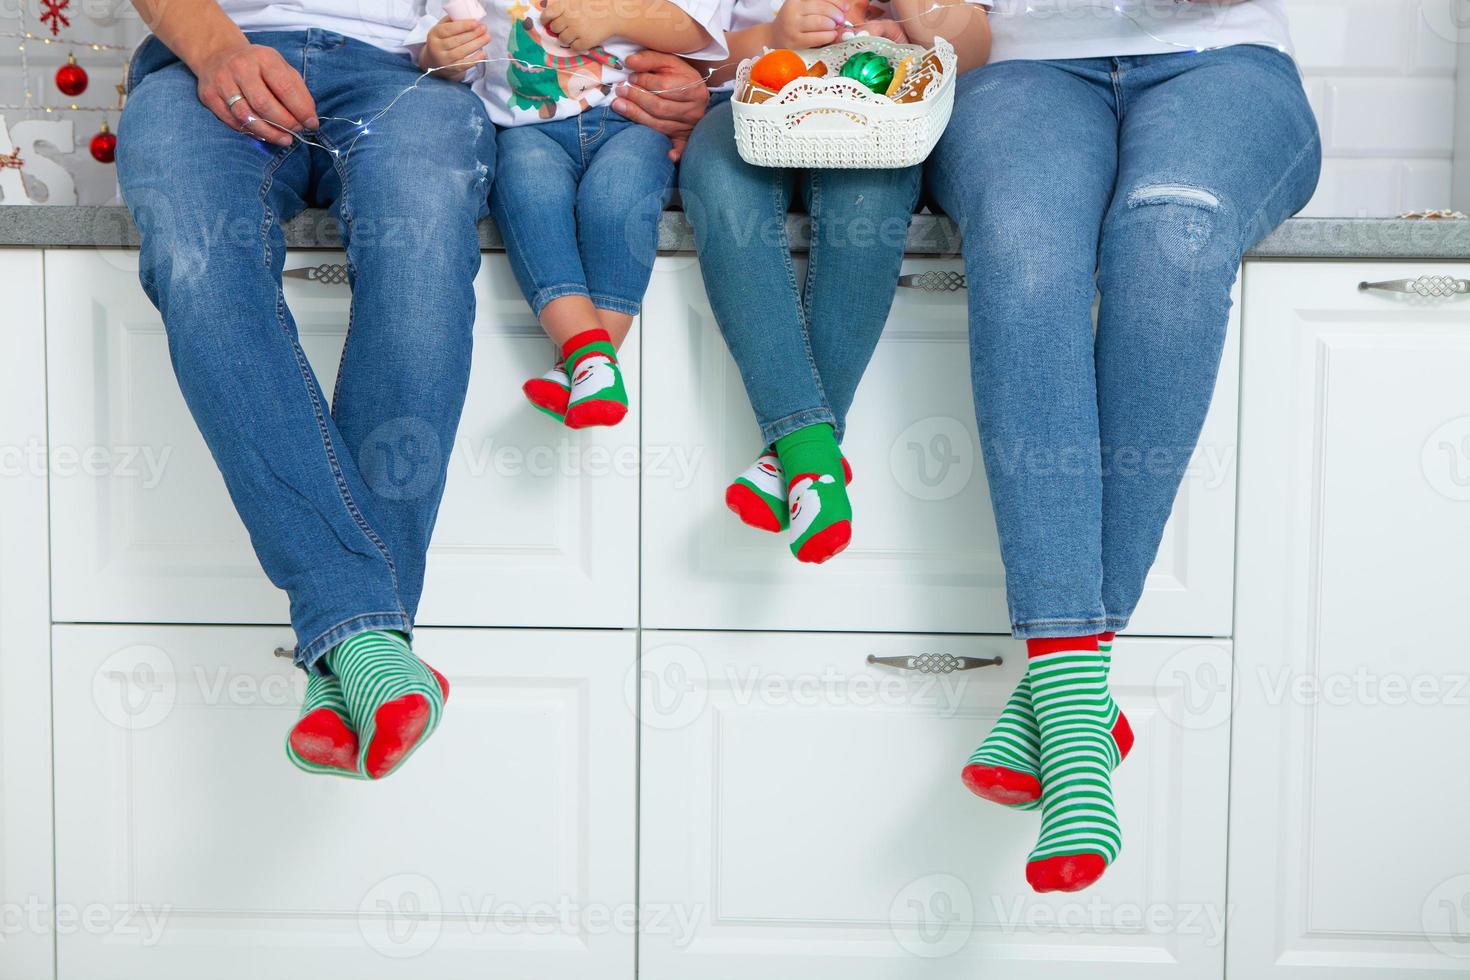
1142,179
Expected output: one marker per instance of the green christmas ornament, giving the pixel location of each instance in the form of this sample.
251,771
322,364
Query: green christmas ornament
869,68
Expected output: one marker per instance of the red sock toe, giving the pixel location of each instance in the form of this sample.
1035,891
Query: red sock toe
323,739
546,395
601,411
1002,785
826,543
1065,872
750,508
397,727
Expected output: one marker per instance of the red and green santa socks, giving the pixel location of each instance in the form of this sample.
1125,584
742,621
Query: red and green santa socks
1055,746
818,512
379,704
758,496
586,387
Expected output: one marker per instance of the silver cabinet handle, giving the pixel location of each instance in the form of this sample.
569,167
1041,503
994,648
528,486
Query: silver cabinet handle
332,274
1427,286
934,663
938,281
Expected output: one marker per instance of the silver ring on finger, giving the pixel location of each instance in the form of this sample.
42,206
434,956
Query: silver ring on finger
230,102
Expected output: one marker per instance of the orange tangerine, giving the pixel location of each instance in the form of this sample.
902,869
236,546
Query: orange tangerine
776,68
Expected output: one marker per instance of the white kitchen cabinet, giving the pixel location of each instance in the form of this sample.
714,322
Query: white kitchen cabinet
1348,851
924,555
802,816
538,526
26,896
505,848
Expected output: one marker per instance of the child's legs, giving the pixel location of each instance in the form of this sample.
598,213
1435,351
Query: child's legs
534,202
860,221
738,213
622,196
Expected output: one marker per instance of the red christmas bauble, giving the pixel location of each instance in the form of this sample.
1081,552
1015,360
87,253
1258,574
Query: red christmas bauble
71,78
104,145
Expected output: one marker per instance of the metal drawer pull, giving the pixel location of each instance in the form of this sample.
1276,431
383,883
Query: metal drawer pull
331,274
1426,286
934,663
285,654
939,281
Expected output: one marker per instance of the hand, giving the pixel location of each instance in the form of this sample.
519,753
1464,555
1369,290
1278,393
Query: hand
808,23
892,30
453,47
271,89
666,94
581,24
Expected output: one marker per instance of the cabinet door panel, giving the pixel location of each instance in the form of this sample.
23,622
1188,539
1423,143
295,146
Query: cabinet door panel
1348,851
538,525
802,816
508,839
924,555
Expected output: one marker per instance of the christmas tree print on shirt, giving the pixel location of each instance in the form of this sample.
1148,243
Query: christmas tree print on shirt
543,72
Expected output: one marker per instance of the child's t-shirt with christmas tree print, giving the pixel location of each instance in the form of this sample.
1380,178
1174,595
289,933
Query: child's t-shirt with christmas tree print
528,77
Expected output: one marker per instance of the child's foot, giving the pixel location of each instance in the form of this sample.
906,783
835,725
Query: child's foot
1006,768
394,700
758,496
550,392
323,740
819,512
1080,835
597,396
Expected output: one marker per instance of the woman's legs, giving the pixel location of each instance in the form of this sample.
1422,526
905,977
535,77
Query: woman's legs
1195,190
1027,168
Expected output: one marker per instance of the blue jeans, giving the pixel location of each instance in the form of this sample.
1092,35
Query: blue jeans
1144,179
339,503
801,349
578,201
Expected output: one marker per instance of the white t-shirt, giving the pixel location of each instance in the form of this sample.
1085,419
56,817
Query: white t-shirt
383,23
737,15
562,83
1059,29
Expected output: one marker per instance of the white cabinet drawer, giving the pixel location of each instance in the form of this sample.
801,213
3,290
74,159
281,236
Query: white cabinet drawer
924,555
538,525
803,809
1348,847
508,840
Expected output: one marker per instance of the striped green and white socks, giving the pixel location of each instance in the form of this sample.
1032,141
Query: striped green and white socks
393,699
1075,713
322,740
816,491
1006,768
758,496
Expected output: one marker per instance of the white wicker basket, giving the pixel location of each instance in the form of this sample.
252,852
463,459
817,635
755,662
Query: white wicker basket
838,123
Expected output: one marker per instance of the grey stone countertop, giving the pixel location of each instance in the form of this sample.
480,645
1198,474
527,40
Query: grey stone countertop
1300,238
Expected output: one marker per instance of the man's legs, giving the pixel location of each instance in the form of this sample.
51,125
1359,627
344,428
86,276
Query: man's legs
209,203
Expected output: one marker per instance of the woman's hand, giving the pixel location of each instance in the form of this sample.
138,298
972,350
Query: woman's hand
268,89
809,23
581,24
453,47
666,94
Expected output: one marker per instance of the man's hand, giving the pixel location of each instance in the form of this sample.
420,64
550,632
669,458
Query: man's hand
453,46
809,23
271,89
666,94
581,24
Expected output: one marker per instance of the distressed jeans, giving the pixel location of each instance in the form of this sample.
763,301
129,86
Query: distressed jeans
339,500
1142,180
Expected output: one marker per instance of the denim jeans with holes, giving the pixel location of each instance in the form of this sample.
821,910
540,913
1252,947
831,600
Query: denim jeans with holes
339,499
1143,179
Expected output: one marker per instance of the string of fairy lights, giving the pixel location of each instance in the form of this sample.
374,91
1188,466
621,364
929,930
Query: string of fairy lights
364,125
25,39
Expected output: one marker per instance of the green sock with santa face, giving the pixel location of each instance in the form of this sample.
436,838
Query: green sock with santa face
819,512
